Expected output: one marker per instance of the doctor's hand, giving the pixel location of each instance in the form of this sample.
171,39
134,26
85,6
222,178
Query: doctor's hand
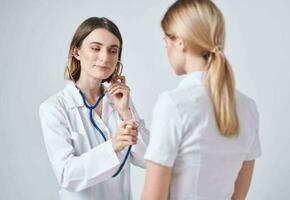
126,135
120,93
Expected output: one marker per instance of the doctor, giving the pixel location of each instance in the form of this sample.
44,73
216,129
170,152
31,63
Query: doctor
92,132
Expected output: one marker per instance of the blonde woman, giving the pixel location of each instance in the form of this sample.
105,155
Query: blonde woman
92,132
204,139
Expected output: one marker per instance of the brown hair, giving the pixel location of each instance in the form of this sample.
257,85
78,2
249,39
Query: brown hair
201,25
73,69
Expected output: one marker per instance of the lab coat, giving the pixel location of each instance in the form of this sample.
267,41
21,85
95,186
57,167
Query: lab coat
82,162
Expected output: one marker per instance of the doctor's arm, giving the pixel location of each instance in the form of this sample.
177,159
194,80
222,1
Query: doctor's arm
74,172
157,182
127,111
243,181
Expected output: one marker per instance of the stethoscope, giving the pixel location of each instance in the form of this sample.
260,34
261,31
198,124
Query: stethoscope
91,110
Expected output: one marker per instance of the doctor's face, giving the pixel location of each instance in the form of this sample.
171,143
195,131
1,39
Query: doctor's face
98,54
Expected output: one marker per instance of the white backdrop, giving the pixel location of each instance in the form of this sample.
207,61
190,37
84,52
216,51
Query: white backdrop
34,41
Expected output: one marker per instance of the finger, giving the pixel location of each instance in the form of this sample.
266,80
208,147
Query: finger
129,132
114,80
130,127
117,84
119,92
125,144
128,124
122,79
128,138
119,78
124,89
131,124
133,141
129,135
123,125
113,85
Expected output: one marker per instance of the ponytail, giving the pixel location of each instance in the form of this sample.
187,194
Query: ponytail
201,25
222,92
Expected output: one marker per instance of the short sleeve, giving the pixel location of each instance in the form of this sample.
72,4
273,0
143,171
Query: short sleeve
255,146
165,133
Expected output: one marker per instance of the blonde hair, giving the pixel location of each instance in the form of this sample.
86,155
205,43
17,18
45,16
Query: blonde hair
201,25
73,68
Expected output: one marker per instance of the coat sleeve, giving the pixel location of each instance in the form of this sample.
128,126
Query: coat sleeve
74,173
138,150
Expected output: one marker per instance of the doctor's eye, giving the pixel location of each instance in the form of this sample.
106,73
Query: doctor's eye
95,49
113,50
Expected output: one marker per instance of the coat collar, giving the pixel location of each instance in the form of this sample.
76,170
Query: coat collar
74,98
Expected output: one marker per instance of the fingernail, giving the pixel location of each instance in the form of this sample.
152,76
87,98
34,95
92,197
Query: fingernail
128,127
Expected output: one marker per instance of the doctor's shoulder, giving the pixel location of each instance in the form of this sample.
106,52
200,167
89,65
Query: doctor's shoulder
55,103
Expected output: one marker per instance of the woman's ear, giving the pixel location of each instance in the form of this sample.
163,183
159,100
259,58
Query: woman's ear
76,53
181,44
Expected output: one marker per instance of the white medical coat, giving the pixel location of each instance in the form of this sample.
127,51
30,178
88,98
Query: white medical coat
82,162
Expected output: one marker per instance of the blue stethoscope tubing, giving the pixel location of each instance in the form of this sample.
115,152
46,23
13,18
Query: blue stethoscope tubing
91,109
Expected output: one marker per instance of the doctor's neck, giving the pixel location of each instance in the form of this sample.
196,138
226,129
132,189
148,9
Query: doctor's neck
91,87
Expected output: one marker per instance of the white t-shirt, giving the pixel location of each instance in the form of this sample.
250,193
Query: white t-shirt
184,135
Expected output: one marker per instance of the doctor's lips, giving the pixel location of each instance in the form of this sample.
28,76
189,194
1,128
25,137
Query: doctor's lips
101,66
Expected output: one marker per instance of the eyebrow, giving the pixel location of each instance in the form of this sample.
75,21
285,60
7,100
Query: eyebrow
113,45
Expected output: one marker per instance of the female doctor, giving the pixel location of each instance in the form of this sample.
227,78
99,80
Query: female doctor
92,132
204,139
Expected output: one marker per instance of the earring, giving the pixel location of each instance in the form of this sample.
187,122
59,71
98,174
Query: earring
119,69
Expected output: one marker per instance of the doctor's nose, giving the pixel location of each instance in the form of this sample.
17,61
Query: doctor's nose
103,57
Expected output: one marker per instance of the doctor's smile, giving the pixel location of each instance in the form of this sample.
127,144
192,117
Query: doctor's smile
102,67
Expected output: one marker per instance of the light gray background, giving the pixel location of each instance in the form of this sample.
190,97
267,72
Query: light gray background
34,41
